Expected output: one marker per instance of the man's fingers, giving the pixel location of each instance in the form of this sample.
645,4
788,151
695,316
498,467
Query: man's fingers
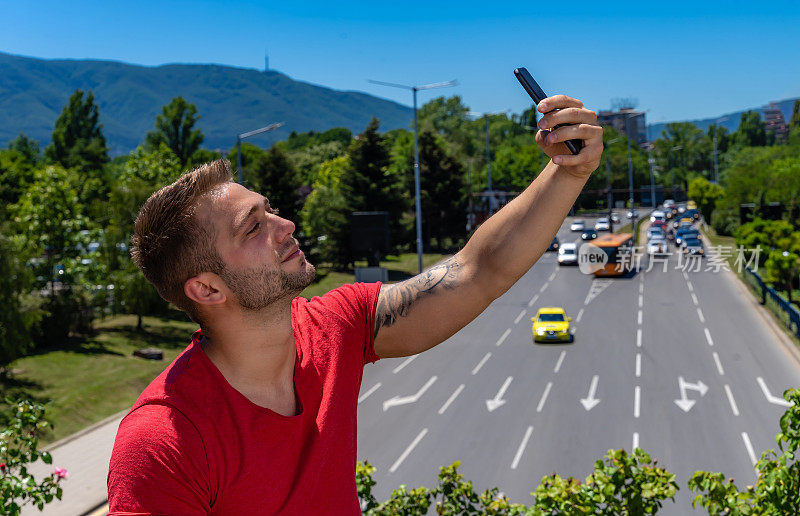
586,155
571,115
574,132
558,102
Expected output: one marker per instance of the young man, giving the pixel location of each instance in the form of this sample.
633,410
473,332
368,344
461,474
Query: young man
258,414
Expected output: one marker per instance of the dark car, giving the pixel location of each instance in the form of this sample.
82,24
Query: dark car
686,233
554,245
589,234
692,246
693,213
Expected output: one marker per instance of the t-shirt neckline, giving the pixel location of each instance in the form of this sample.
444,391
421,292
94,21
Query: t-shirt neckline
198,349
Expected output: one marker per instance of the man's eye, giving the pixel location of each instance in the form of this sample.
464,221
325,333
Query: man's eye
254,228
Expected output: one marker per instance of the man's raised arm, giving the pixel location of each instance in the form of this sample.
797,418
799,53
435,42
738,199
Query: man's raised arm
421,312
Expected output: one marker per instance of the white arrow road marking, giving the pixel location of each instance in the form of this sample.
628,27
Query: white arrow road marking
749,447
638,337
533,300
636,399
451,398
597,287
480,364
734,408
719,364
501,339
520,316
498,400
404,400
521,448
366,394
770,398
408,450
589,402
684,403
544,397
635,440
708,337
580,314
560,359
405,363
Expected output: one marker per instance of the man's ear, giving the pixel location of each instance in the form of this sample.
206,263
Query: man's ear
205,289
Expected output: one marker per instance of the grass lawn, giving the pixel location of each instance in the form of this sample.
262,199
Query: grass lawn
87,380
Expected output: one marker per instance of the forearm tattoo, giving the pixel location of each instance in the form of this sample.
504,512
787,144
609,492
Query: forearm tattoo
396,300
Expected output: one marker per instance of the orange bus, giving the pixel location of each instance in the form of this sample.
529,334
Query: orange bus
619,248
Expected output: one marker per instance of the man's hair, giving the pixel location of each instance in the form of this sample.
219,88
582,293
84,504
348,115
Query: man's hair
170,243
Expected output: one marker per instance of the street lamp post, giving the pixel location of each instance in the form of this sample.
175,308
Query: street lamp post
652,162
630,173
488,152
608,180
414,89
242,136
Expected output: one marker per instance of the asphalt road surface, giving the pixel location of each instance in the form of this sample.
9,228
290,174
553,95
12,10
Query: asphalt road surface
677,362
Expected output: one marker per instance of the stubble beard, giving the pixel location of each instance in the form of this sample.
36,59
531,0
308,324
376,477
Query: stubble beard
256,289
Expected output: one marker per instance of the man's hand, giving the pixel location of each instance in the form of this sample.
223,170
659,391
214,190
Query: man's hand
570,111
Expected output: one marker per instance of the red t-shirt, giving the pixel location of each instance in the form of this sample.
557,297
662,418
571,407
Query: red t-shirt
192,444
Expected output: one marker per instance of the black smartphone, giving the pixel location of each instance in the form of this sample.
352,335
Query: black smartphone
538,95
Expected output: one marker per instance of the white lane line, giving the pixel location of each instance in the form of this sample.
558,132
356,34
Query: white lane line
734,408
408,450
641,288
636,399
501,339
719,364
638,365
520,316
405,363
694,299
749,447
700,315
640,317
638,337
451,398
691,287
685,276
560,359
708,337
553,276
580,314
533,300
770,398
641,300
521,448
480,364
544,397
635,441
366,394
544,287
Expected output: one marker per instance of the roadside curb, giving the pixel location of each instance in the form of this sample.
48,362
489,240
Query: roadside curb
80,433
769,319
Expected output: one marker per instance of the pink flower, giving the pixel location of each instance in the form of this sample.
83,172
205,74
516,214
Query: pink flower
61,472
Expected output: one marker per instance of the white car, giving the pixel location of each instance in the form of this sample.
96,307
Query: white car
658,215
657,246
602,224
668,202
615,218
568,254
577,225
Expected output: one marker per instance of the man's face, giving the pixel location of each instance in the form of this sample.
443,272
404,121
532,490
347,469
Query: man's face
262,259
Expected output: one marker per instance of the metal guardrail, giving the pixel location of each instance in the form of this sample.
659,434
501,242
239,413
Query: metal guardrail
783,310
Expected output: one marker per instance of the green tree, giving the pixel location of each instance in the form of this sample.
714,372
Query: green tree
794,122
752,131
705,194
324,216
781,270
274,176
78,140
175,127
26,147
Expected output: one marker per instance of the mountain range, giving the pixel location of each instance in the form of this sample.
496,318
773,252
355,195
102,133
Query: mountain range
229,101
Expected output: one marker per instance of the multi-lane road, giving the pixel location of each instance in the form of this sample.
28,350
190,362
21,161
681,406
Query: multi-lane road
677,362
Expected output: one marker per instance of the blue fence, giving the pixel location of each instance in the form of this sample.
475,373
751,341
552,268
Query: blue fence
783,310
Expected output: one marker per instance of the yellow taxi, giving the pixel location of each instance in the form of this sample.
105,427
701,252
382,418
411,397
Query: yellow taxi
551,325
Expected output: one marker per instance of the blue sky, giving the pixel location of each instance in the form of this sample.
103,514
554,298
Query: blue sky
681,60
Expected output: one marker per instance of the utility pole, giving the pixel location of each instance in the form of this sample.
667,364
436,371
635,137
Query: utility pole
242,136
414,89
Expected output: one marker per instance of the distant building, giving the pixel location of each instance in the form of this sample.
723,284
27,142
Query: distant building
775,123
626,121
